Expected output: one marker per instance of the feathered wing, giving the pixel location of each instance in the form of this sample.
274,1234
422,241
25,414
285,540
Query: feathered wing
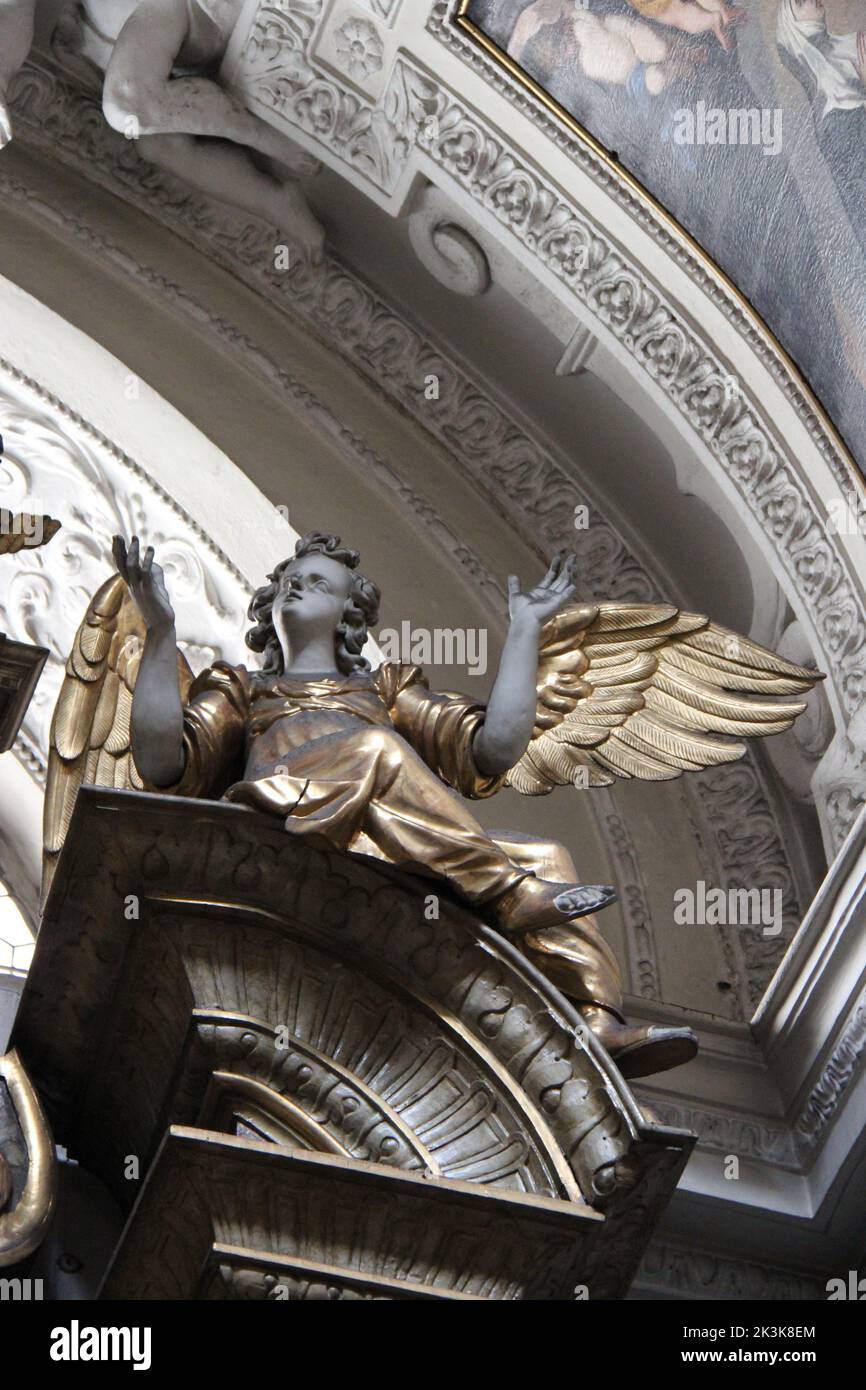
646,691
91,737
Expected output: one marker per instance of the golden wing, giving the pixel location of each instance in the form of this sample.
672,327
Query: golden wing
91,729
638,690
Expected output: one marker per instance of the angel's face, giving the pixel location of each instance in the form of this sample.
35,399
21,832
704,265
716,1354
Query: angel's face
311,597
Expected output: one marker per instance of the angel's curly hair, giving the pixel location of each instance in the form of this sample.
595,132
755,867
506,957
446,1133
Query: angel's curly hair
359,615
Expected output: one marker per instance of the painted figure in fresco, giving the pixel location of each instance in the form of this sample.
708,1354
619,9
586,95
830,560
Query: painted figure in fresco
375,763
158,58
792,244
832,70
834,65
611,48
694,16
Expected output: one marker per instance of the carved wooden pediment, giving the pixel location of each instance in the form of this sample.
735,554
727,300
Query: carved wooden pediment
198,968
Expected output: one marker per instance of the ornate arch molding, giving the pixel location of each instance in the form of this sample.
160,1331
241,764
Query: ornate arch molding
733,421
539,498
443,24
51,451
98,487
749,417
383,147
526,480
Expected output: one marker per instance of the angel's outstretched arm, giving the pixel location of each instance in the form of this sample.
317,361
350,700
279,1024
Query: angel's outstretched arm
16,37
511,710
157,706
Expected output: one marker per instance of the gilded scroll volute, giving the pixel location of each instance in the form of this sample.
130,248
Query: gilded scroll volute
28,1166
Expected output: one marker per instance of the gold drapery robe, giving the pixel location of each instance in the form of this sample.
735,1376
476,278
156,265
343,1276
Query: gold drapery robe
370,763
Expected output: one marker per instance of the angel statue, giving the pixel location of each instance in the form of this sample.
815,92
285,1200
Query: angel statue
375,763
158,58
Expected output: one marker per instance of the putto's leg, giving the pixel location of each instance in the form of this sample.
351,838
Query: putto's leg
693,18
228,174
142,100
140,94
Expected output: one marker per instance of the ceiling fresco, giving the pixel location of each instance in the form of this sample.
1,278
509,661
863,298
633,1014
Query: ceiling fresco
748,124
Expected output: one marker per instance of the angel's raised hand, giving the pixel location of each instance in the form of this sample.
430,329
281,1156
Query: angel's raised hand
145,581
548,598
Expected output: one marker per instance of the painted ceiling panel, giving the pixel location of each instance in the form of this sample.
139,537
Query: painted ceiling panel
749,126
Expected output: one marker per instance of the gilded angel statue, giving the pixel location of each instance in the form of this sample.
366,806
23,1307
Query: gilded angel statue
374,762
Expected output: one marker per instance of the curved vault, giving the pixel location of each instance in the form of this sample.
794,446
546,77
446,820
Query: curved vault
96,485
621,298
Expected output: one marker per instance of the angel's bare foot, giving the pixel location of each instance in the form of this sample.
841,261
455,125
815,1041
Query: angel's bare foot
577,902
534,903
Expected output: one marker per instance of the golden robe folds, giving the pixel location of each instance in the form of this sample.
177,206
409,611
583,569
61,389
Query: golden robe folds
370,763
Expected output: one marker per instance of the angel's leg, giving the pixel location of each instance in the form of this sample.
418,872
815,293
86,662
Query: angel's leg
227,173
141,97
576,958
369,791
